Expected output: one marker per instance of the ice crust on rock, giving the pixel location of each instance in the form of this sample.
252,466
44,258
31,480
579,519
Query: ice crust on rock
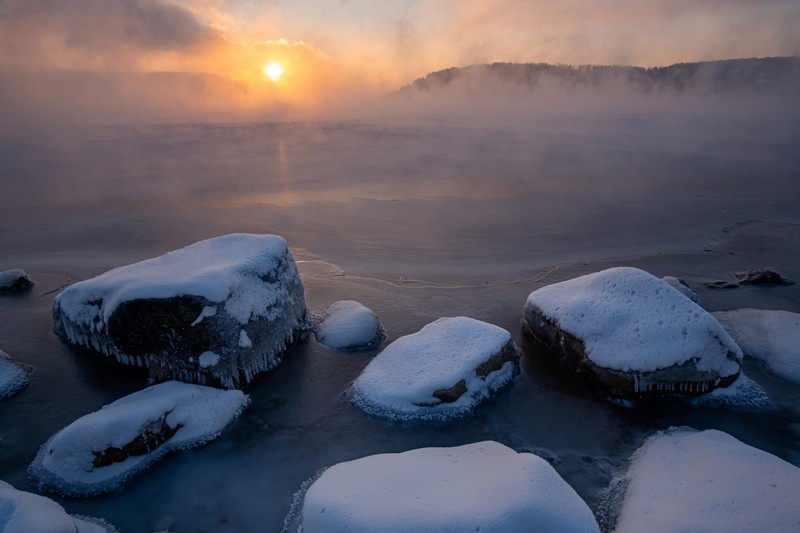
638,327
349,325
483,486
438,373
684,480
25,512
13,377
100,451
770,336
239,296
15,279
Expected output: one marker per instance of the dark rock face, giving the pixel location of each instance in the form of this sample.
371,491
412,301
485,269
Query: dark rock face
761,276
721,284
14,280
679,380
145,443
195,338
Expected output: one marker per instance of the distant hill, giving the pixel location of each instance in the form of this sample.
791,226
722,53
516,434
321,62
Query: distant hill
761,75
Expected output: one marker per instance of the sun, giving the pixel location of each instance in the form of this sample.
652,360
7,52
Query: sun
273,70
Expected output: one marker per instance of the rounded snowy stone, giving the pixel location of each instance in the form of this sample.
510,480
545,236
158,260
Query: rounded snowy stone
631,320
441,372
683,480
15,279
13,378
681,286
100,451
483,487
25,512
770,336
349,325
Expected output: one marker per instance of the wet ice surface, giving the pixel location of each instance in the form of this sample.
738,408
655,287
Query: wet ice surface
416,223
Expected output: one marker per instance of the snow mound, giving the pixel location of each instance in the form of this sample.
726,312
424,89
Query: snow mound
13,378
630,320
14,280
239,296
770,336
100,451
439,373
477,487
25,512
684,480
349,325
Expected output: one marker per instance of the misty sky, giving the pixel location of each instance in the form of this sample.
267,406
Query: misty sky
77,57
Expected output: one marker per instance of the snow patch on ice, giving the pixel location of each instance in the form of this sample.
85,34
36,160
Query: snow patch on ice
13,377
25,512
206,312
400,381
244,340
208,359
65,464
684,480
483,486
744,393
630,320
770,336
349,325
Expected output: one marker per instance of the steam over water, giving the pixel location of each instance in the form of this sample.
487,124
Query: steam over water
417,218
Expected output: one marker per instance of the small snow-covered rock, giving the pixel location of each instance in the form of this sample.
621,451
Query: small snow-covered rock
634,333
348,325
14,280
239,296
100,451
770,336
684,480
441,372
761,276
477,487
13,377
681,286
25,512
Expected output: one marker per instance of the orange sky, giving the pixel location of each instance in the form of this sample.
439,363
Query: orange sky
84,56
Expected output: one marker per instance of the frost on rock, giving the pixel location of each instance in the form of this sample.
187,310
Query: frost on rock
13,377
439,373
477,487
239,296
14,280
348,325
25,512
100,451
770,336
634,333
684,480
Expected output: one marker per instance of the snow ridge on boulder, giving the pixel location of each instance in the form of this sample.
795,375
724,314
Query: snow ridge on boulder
238,297
102,450
25,512
350,326
483,486
635,333
438,373
13,377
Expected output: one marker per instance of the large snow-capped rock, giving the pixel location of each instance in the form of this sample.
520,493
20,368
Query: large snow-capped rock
217,312
25,512
350,326
100,451
683,480
15,279
13,377
770,336
441,372
477,487
635,333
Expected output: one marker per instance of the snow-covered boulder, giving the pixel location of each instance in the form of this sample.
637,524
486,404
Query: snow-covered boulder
681,286
441,372
683,480
100,451
761,276
348,325
13,377
217,312
25,512
14,280
770,336
634,333
478,487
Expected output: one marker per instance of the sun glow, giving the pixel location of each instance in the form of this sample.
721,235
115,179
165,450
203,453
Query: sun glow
273,70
